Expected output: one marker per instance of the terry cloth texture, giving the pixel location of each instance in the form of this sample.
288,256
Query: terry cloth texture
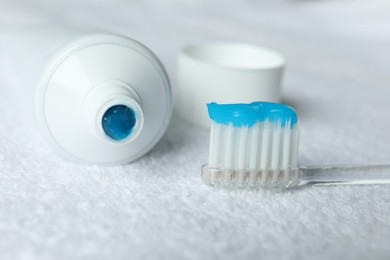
337,78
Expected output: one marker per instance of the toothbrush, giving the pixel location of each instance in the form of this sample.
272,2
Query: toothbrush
256,146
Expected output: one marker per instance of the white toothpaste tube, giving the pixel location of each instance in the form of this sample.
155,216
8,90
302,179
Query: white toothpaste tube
99,98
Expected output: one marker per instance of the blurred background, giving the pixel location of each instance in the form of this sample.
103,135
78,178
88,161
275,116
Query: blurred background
337,78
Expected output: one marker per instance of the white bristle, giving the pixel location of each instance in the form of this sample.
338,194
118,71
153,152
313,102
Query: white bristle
264,154
254,146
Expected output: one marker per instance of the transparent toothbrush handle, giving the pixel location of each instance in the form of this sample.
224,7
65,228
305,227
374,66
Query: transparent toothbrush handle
344,174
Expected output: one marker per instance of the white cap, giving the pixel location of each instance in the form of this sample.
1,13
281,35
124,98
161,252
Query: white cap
225,73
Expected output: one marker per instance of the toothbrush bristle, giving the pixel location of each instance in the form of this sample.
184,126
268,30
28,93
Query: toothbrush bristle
263,154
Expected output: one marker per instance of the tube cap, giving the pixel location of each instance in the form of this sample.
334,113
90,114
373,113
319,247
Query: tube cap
225,72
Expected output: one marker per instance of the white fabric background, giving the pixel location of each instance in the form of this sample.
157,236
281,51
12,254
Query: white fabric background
337,78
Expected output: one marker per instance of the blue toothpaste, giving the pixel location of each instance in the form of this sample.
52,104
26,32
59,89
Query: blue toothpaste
118,122
250,114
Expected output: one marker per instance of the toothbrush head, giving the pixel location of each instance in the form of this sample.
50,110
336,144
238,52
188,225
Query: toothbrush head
252,146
